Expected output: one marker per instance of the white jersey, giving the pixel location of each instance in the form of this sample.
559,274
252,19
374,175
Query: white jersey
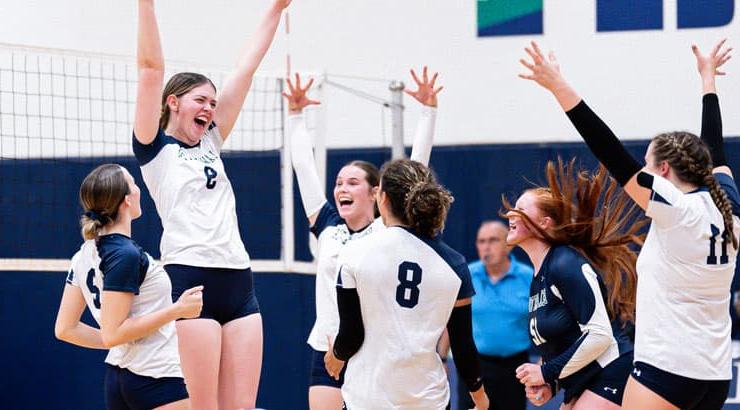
194,200
685,269
332,233
407,286
118,264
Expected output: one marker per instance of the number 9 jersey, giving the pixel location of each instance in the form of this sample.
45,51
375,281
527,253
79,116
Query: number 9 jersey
407,286
684,270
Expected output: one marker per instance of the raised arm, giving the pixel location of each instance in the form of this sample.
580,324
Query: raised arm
426,94
711,120
150,65
602,142
237,86
301,151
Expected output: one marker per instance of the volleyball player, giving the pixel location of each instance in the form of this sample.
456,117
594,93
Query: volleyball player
582,295
682,345
353,217
397,291
129,296
178,135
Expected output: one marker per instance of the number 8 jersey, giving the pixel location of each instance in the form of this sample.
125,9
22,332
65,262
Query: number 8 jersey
407,286
684,270
194,200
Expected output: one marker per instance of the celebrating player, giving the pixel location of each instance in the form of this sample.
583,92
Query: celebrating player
393,309
353,217
129,296
178,135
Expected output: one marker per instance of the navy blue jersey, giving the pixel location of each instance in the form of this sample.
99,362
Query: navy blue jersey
568,320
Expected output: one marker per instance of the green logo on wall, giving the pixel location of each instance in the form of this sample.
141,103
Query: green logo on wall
509,17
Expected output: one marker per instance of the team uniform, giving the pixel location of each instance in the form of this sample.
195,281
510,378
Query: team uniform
569,325
685,268
144,373
333,233
201,244
406,298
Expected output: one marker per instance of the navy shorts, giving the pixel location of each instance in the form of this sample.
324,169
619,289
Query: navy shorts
319,375
125,390
680,391
610,382
228,294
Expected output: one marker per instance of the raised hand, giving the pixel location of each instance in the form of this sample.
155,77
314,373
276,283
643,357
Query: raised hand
425,93
545,71
281,4
708,65
297,99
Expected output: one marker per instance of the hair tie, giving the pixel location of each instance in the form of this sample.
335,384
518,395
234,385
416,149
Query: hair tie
94,216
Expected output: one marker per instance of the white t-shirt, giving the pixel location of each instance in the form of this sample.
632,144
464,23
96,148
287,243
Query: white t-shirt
407,286
118,264
685,269
333,234
194,200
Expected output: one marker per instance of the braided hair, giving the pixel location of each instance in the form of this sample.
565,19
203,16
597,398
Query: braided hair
689,158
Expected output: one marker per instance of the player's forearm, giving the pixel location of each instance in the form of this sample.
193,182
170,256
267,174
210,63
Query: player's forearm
460,329
424,137
301,156
134,328
81,335
711,129
351,333
149,48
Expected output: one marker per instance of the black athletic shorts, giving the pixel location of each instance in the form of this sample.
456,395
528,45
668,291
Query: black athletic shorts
682,392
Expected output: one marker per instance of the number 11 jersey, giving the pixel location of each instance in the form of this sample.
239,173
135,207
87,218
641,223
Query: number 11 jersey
684,270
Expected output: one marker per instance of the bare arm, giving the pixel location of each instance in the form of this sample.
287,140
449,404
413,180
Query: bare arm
68,326
118,328
237,86
150,65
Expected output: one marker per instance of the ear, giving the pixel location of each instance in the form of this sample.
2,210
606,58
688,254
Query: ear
172,102
664,168
545,222
374,190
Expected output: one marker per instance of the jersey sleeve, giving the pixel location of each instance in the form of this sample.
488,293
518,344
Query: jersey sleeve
215,137
346,271
466,284
728,184
574,282
122,270
71,278
328,216
146,153
667,206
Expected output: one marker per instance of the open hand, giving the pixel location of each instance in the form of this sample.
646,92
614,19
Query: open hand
297,99
709,65
425,93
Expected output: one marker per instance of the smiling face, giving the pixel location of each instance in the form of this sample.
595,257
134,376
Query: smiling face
354,196
519,232
192,112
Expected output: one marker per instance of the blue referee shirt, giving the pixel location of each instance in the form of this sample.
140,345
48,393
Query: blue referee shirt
500,310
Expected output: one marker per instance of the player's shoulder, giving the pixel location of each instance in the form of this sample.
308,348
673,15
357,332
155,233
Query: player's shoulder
565,260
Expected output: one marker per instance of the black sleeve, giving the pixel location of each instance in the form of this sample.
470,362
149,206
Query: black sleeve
711,129
351,330
460,328
603,143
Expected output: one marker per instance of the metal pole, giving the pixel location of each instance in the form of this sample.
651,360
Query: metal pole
397,148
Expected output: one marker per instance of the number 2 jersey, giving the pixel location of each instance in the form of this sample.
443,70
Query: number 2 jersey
407,286
568,321
194,200
684,270
117,263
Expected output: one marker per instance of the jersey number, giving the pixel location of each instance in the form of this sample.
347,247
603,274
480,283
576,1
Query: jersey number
712,258
537,339
409,278
93,289
211,175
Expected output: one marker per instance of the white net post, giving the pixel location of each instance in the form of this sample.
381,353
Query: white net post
396,106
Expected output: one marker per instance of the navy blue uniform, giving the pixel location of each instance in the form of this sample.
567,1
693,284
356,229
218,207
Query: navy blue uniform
570,327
